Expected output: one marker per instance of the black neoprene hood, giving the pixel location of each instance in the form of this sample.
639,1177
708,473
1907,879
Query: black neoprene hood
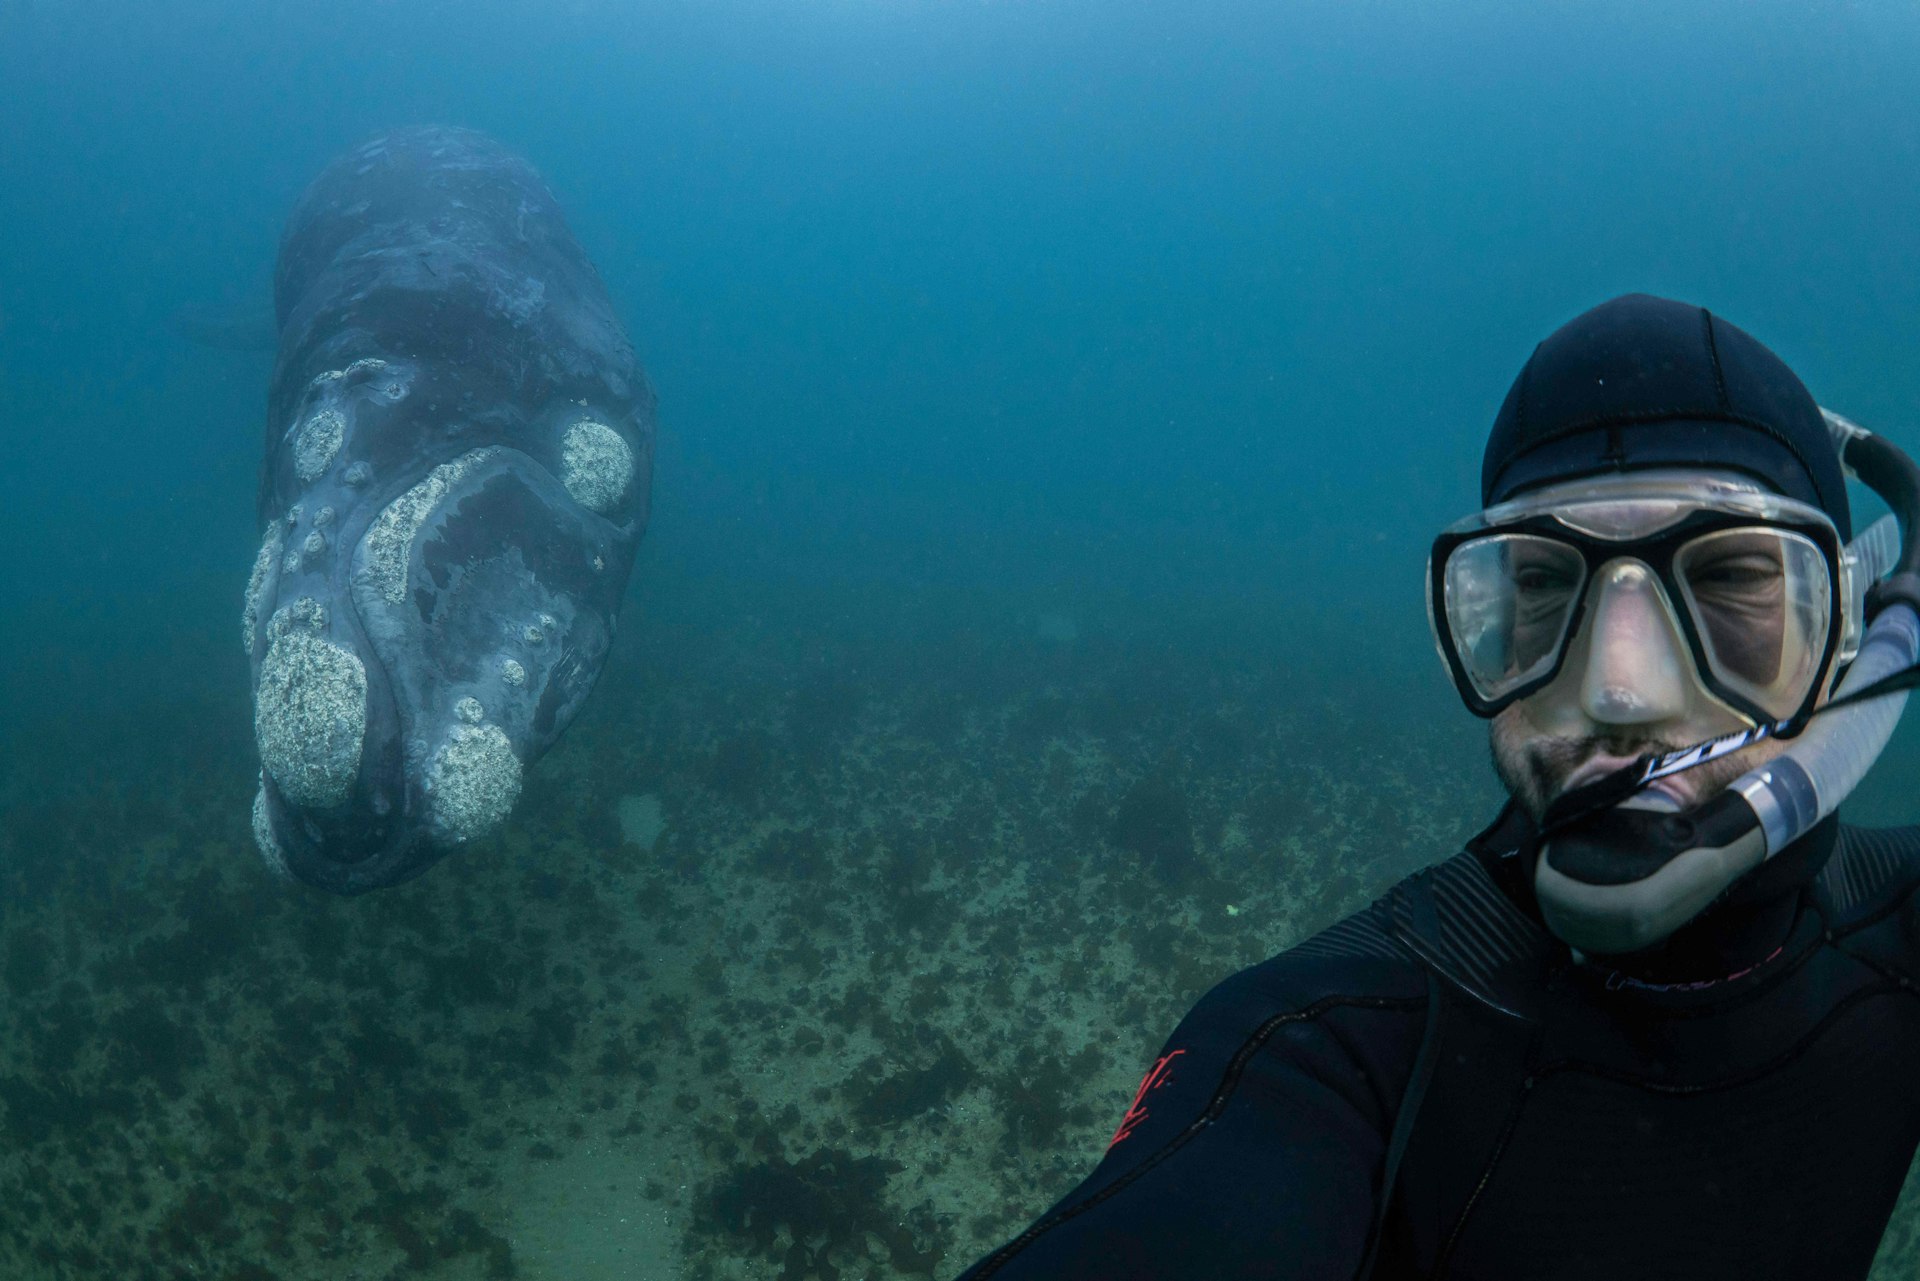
1643,382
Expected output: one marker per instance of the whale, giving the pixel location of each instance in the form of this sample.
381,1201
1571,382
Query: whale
456,477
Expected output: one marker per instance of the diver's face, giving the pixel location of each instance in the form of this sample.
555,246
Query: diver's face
1628,686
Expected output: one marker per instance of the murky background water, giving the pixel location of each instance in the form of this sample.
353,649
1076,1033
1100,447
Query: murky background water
1056,400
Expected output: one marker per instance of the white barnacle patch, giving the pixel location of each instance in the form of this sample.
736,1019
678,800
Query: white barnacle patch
596,465
309,710
358,474
270,852
263,567
323,518
472,783
383,553
512,673
469,710
305,614
316,442
315,544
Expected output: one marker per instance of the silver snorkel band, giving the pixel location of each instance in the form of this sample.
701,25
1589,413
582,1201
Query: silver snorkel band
1614,877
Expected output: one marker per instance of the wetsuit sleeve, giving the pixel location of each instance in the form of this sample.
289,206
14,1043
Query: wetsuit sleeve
1256,1142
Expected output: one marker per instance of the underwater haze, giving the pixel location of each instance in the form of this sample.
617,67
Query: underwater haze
1056,401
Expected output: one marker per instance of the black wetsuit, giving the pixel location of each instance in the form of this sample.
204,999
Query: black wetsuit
1436,1088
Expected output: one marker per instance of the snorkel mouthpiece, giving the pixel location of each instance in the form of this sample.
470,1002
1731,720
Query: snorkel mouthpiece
1627,877
1618,871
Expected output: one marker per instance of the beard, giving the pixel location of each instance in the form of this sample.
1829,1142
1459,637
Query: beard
1534,767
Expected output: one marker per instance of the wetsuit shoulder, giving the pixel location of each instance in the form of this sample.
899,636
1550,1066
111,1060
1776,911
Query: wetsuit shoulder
1259,1135
1867,892
1873,869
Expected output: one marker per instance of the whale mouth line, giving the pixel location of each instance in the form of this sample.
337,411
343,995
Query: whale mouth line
462,601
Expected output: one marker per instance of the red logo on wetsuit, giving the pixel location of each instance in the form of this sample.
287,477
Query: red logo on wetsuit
1158,1075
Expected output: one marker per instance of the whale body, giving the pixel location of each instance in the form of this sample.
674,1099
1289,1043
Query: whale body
458,465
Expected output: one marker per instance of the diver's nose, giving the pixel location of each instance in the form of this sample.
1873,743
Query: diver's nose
1635,658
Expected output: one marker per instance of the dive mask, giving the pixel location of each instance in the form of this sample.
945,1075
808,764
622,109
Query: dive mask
1758,586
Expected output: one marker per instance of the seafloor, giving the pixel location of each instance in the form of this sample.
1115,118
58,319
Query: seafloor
803,957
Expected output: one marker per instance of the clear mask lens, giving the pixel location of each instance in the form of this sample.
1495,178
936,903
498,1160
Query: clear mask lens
1509,601
1761,602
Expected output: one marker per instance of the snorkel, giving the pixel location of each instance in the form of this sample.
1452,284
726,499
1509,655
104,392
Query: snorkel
1616,875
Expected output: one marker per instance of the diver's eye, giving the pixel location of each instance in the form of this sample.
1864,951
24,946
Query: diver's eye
1542,579
1747,572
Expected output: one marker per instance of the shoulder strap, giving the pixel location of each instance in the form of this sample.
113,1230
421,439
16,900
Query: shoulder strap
1404,1122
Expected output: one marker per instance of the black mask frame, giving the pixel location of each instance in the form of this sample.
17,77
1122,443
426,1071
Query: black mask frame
1657,552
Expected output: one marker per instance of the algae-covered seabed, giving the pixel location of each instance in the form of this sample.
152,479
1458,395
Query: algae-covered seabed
912,921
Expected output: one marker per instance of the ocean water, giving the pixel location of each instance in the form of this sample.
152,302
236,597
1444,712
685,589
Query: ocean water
1056,401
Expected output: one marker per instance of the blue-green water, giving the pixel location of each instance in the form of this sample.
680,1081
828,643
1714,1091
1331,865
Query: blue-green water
1178,325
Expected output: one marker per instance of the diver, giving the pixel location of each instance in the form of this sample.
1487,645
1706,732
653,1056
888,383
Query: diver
1660,1019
